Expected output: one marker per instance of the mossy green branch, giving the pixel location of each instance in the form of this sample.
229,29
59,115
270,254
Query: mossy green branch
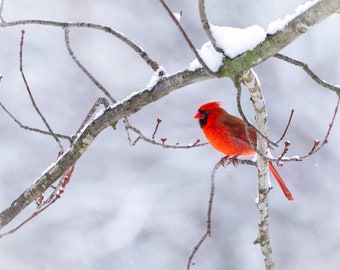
279,40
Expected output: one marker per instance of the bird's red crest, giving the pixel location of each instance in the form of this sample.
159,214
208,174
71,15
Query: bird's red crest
210,106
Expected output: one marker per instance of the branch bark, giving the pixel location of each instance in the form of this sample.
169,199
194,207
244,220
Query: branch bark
112,115
166,85
249,78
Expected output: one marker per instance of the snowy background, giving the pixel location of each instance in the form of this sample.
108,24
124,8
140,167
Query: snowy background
144,207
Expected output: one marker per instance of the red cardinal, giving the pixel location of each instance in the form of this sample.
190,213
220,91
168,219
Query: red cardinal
227,134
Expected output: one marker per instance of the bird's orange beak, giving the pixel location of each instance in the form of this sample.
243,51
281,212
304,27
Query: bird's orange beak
199,115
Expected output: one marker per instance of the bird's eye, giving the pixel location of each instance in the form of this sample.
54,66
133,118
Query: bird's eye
203,120
205,113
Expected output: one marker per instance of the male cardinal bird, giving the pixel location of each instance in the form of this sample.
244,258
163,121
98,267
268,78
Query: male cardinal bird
227,134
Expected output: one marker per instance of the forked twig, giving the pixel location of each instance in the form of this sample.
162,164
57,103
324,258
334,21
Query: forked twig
100,101
317,145
141,136
31,96
186,37
284,151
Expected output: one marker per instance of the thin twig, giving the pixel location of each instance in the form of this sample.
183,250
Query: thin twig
187,39
285,150
287,126
30,128
159,121
44,205
82,68
206,25
153,64
194,251
141,136
316,143
25,221
31,96
317,146
305,67
209,214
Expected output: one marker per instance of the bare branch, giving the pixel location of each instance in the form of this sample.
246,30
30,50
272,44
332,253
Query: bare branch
31,96
316,143
206,25
231,67
223,162
317,146
209,213
285,150
287,126
141,136
305,67
30,128
156,128
153,64
81,66
187,39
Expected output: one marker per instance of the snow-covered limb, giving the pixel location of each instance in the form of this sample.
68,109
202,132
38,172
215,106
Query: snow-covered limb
276,42
235,41
280,24
81,143
159,74
210,56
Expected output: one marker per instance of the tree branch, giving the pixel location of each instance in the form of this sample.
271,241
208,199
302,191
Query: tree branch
186,37
206,25
132,104
153,64
249,78
32,128
82,68
306,68
111,115
35,106
276,42
231,67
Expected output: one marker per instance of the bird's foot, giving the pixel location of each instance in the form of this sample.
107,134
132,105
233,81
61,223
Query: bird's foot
227,160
